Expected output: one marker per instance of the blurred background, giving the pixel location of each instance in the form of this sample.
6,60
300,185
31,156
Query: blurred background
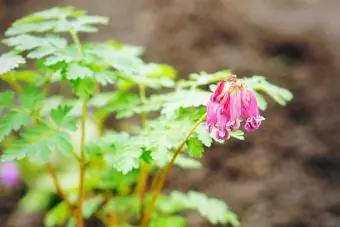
288,173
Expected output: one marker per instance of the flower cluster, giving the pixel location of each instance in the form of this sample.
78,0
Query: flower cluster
230,105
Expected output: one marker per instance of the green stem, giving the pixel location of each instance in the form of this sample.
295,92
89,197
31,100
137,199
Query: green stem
144,173
82,161
76,41
163,175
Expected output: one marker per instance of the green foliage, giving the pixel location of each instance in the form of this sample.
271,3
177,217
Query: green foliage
260,84
13,121
195,147
45,120
38,143
169,221
216,211
10,61
6,99
56,20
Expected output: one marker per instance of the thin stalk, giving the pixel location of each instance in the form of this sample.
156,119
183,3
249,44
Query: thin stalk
76,41
82,161
59,189
163,175
15,86
144,173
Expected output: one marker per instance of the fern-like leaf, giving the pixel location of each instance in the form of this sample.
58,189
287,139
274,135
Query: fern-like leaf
216,211
10,61
38,143
57,19
12,121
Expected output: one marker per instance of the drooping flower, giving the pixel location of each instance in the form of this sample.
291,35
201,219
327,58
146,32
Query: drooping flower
250,111
9,174
230,105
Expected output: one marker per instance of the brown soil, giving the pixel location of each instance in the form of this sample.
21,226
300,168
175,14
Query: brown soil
288,173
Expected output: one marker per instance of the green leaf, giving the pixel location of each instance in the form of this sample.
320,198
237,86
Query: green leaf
203,135
261,101
187,162
57,20
162,136
216,211
10,61
76,71
38,143
105,77
204,78
119,150
122,103
92,205
57,216
153,70
237,135
195,147
280,95
146,156
83,88
31,98
169,103
35,200
12,121
6,99
61,118
169,221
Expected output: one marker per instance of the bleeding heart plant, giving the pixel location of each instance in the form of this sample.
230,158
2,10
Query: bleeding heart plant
69,122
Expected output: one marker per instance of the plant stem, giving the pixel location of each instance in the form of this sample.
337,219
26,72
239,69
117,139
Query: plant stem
144,173
76,41
80,221
82,161
58,188
163,175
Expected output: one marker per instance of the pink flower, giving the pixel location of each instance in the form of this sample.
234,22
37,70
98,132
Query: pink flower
229,105
9,174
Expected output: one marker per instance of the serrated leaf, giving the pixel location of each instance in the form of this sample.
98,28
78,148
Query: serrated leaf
31,98
216,211
61,118
203,135
121,103
280,95
12,121
105,77
76,71
195,147
83,88
119,150
168,104
6,99
162,136
38,143
10,61
57,20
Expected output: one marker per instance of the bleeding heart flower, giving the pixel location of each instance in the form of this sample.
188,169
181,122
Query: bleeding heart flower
229,105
